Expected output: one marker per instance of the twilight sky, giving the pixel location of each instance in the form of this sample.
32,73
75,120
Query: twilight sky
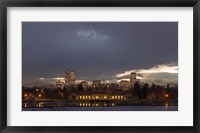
100,50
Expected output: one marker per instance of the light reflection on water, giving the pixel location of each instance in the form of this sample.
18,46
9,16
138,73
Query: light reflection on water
95,104
42,106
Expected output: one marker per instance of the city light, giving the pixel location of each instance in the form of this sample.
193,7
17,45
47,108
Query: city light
25,105
96,94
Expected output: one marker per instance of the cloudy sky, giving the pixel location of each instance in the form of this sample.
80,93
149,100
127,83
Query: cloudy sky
100,50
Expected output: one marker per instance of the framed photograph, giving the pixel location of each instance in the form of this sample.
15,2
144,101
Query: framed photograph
80,66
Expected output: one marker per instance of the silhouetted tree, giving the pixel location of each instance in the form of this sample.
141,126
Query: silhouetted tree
145,91
137,90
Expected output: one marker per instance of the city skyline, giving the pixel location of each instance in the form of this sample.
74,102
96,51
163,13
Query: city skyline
67,95
100,50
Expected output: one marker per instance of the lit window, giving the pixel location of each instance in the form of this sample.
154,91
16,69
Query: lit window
25,105
121,97
115,97
105,97
97,97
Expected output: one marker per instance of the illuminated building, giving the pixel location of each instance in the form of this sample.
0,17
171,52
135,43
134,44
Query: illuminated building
95,93
100,98
133,79
69,78
124,85
60,84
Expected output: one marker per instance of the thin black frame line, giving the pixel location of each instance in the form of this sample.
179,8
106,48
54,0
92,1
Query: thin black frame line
4,67
101,3
3,47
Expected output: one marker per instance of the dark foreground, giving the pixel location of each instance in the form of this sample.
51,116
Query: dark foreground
108,108
99,106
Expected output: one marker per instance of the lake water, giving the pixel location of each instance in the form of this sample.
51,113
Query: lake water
108,108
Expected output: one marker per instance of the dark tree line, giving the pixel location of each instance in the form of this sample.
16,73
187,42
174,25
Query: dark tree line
154,92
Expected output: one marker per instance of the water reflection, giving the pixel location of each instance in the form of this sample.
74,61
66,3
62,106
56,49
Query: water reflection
100,105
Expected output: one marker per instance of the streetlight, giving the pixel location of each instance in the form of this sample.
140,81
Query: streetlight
40,95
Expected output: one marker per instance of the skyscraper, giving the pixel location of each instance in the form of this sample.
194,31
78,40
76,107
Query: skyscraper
69,77
133,79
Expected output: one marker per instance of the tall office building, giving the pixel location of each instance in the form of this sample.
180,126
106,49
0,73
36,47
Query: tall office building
69,78
133,79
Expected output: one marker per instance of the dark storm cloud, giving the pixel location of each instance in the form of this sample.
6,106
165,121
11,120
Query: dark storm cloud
96,50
